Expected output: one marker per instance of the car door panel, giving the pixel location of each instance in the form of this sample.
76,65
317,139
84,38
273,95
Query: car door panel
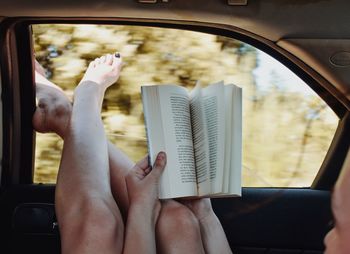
263,220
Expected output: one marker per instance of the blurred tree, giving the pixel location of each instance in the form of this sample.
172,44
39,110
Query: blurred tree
286,133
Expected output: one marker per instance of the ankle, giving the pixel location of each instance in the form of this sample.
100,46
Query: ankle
91,87
63,130
89,90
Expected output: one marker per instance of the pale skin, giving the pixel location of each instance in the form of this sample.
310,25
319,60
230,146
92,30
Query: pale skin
96,188
85,206
142,184
337,240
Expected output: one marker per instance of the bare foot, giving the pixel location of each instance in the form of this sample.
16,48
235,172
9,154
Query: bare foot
40,69
54,108
104,70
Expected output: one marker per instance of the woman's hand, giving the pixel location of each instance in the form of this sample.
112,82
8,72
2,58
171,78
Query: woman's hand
142,183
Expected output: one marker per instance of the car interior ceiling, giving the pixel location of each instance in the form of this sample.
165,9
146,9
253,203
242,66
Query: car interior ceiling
264,220
264,20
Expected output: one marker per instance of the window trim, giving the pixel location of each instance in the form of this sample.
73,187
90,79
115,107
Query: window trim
23,150
17,79
1,130
335,156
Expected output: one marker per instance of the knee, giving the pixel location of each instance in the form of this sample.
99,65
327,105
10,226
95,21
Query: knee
104,214
91,219
175,217
90,216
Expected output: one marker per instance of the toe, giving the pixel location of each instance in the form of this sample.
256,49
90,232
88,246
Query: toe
39,68
92,64
109,59
102,59
97,61
116,61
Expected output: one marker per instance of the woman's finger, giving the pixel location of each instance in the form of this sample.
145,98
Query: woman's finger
159,165
142,164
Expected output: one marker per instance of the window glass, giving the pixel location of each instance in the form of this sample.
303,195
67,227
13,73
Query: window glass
287,128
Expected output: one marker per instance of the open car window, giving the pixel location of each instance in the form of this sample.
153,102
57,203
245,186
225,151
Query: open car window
287,128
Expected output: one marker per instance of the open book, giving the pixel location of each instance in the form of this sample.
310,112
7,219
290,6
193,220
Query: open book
201,133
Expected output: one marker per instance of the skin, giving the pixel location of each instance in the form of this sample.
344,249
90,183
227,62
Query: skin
88,209
179,227
337,240
85,206
213,235
142,184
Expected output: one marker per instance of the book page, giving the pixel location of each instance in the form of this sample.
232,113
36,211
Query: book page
228,139
200,141
179,179
214,108
154,131
235,185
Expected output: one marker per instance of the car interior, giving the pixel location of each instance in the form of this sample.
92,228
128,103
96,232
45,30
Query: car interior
311,38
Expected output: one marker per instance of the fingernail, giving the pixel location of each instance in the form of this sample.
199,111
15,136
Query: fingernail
117,55
161,157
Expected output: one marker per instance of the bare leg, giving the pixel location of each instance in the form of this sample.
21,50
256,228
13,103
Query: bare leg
337,239
177,230
54,108
185,234
119,165
213,235
89,219
53,115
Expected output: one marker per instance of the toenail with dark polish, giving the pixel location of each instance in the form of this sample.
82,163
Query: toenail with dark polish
117,55
41,104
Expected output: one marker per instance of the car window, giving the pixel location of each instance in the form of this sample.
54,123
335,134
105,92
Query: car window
287,128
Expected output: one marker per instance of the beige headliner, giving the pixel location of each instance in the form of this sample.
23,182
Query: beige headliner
312,30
